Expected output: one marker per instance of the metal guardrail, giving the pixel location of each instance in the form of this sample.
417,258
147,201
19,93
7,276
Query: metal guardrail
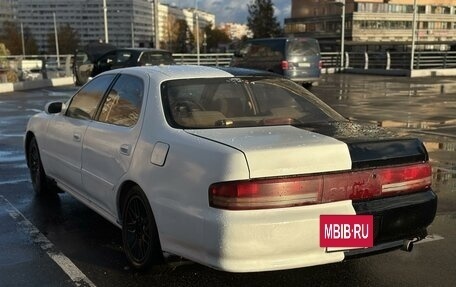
219,59
51,67
34,67
391,60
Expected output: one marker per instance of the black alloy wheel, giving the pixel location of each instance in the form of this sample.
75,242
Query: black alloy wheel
37,174
139,232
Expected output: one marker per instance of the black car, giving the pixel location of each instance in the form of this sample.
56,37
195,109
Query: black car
98,58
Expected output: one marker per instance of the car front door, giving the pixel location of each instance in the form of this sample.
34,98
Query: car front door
65,133
110,140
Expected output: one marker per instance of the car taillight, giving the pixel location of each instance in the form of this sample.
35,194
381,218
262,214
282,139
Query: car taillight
405,179
320,64
314,189
285,65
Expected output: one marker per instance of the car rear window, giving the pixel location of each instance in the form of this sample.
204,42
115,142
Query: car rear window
156,58
303,47
241,102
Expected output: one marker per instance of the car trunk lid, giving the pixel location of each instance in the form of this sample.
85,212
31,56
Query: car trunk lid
317,148
282,150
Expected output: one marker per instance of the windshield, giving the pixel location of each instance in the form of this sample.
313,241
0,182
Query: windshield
303,47
241,102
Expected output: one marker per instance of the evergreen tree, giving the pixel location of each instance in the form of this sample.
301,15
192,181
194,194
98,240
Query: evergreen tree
68,40
184,38
12,38
261,20
215,37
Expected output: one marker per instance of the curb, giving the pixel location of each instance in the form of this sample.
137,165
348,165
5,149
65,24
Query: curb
38,84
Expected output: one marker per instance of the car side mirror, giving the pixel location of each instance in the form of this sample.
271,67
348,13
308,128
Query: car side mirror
53,107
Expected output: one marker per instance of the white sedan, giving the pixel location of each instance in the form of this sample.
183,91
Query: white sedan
231,168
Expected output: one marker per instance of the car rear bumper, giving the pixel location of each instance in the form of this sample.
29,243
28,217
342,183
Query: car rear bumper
397,219
312,75
285,238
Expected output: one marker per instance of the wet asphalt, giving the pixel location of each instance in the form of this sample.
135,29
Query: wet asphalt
57,241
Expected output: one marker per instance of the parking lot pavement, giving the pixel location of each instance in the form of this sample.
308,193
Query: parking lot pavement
34,230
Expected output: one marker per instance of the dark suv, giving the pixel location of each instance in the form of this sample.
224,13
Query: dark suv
297,59
96,59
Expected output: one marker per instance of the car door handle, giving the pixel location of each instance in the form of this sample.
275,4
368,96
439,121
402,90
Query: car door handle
77,137
125,149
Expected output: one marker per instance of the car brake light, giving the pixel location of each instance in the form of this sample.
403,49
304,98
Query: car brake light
269,193
405,179
285,65
314,189
320,64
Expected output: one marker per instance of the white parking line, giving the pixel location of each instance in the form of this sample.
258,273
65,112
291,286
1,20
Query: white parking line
14,181
76,275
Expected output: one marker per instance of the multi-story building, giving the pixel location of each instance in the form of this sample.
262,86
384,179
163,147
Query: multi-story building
168,15
375,24
130,22
6,11
236,30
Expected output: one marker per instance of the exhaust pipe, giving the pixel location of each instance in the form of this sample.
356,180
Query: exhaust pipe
407,245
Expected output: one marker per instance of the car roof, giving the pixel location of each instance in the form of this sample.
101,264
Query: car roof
143,50
175,72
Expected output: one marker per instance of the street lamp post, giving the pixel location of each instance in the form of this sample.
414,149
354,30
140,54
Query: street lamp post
197,33
105,16
413,37
342,33
56,41
132,27
156,24
342,36
22,39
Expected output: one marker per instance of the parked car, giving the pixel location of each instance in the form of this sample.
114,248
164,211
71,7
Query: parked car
297,59
228,167
90,62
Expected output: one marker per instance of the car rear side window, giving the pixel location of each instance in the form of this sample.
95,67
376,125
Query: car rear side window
85,103
266,48
123,103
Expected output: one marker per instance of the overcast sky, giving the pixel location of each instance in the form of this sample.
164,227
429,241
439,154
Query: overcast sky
232,10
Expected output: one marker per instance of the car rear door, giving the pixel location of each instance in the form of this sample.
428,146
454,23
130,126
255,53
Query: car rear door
110,140
65,133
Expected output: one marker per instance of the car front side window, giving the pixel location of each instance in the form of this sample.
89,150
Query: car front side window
84,104
123,103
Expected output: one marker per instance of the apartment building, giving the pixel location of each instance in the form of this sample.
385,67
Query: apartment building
375,24
169,14
131,23
6,11
236,31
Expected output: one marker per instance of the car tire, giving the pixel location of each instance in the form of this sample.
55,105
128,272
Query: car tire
38,176
77,81
139,231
